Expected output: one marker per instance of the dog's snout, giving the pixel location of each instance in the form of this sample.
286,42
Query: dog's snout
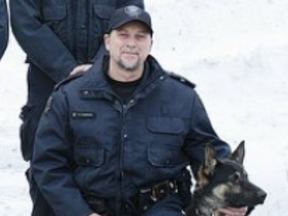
261,196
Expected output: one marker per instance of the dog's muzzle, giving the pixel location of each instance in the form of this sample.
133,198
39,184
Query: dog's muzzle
260,197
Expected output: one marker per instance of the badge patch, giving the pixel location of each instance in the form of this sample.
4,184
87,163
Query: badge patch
132,11
83,115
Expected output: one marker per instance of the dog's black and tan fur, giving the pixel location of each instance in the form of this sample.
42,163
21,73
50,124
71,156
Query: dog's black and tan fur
223,183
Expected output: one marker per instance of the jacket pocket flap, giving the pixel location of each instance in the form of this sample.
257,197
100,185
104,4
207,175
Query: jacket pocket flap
54,13
104,12
170,125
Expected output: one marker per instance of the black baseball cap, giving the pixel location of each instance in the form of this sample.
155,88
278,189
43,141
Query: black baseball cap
128,14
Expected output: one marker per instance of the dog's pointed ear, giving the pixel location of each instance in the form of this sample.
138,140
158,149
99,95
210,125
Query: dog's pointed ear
210,160
239,153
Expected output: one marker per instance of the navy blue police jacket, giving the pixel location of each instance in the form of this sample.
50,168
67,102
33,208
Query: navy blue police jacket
89,141
57,35
3,27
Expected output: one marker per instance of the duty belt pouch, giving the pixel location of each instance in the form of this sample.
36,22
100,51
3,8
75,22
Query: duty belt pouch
161,190
144,201
185,192
147,197
184,188
30,116
97,204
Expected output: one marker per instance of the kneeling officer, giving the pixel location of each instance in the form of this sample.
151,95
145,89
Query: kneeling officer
117,140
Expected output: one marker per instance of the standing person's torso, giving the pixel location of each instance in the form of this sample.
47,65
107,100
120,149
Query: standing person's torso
80,25
3,27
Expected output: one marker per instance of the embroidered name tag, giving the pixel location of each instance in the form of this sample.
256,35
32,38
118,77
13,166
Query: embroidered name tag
83,115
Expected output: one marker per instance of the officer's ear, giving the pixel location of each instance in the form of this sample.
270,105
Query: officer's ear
152,42
107,41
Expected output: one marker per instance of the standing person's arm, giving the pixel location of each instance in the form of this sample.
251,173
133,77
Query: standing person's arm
52,164
39,42
3,27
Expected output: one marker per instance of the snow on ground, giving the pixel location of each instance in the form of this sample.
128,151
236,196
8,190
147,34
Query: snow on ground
237,54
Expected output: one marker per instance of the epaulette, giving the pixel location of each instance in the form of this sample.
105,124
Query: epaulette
181,79
68,79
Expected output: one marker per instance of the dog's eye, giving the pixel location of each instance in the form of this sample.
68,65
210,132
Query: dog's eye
236,178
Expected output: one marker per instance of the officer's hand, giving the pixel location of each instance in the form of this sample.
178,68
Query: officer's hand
94,214
80,69
233,211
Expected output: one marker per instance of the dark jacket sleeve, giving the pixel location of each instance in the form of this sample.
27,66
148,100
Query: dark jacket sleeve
52,161
42,46
3,27
201,133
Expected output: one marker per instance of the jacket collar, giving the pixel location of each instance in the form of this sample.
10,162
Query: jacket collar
96,79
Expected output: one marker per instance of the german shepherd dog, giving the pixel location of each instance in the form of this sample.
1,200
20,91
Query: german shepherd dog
223,183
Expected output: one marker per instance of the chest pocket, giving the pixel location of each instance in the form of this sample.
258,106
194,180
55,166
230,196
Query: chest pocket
165,148
102,14
56,18
54,13
165,156
165,125
89,154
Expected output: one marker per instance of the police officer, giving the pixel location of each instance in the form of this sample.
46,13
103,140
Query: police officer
60,38
117,141
3,27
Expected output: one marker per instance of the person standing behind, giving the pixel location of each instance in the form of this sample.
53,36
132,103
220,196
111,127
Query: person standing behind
61,38
114,142
3,27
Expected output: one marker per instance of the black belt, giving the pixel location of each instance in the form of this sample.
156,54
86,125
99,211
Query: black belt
136,204
160,190
147,197
97,204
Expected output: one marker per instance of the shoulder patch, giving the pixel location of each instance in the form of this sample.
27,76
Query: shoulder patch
181,79
68,79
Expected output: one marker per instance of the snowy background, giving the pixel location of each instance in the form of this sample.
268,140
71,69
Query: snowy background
236,51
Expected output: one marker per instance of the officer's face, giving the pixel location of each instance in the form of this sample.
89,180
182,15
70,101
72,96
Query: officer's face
129,46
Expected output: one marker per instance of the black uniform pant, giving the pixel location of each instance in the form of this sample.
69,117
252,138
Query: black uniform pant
40,205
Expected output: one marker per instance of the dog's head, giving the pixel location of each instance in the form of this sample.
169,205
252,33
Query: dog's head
227,181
